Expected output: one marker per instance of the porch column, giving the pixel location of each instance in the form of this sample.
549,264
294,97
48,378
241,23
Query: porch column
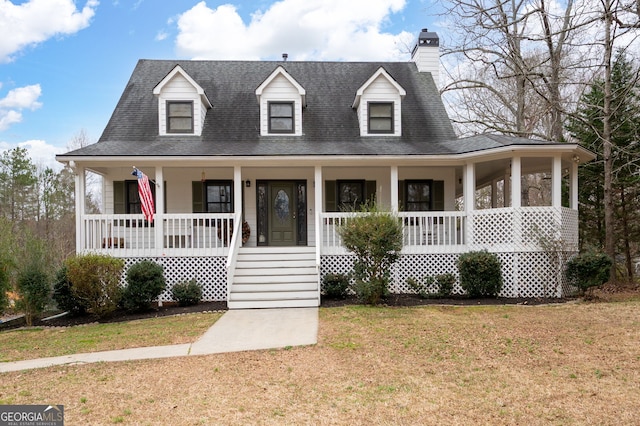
469,195
574,184
317,196
159,216
556,182
80,193
237,189
494,194
507,188
394,190
516,182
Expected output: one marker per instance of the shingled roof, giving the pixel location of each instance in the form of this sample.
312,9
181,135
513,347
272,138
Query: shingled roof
330,124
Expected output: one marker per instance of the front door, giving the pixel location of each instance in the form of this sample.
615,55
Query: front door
282,213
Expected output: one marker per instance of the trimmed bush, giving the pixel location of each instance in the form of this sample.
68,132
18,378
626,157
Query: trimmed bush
64,296
375,237
34,289
187,293
336,286
588,269
95,280
480,274
438,286
145,282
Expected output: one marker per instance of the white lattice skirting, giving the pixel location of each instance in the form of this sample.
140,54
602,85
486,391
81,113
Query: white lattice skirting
527,275
209,272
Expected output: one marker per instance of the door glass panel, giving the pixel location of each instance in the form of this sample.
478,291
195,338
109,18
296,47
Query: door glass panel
281,206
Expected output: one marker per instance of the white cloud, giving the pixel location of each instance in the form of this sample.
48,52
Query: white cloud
305,29
23,97
41,153
16,100
162,35
35,21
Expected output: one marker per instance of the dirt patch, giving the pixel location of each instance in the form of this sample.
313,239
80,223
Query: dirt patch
400,300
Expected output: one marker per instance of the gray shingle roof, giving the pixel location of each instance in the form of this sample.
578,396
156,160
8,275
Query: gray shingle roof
330,124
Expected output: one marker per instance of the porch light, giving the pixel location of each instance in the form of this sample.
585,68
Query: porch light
247,183
576,159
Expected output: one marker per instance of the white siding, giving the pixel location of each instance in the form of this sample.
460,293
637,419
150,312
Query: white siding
179,89
380,90
280,89
427,59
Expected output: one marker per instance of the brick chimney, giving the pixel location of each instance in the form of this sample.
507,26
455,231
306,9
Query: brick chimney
426,54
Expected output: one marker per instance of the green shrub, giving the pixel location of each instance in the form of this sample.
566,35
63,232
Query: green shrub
95,280
145,282
64,296
375,237
336,286
588,269
187,293
34,288
438,286
480,274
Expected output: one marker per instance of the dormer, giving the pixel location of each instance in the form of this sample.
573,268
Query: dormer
182,104
379,105
281,99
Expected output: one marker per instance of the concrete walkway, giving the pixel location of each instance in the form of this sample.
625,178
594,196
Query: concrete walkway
237,330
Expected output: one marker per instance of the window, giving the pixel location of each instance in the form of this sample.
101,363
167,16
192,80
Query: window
281,117
350,195
132,197
179,117
380,117
218,197
418,194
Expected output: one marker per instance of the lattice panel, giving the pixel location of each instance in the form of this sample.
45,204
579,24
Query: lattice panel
538,225
492,227
570,228
210,272
527,274
421,266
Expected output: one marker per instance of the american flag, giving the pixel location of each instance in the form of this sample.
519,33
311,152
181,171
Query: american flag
146,197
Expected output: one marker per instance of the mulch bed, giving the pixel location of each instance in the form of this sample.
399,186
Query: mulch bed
397,300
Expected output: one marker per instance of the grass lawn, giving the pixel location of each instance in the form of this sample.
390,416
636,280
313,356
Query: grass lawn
37,342
570,364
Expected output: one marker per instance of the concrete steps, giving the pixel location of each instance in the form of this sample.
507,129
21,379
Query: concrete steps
274,277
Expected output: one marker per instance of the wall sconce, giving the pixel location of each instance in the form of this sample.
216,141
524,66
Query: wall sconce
247,183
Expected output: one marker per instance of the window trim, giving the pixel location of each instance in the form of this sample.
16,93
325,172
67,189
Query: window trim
217,182
391,117
270,116
427,182
168,117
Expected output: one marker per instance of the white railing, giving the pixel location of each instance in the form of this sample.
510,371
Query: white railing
422,231
232,256
129,235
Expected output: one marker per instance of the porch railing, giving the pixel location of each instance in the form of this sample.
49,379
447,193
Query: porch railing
129,235
421,231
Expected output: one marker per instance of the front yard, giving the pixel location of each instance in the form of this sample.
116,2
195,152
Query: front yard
574,363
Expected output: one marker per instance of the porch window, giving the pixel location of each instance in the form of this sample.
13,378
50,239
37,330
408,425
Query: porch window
351,194
179,117
130,204
380,117
218,196
281,117
418,195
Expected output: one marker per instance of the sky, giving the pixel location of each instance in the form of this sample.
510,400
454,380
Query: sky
65,63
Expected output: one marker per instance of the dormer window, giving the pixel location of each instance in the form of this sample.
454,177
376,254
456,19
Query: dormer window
380,117
281,117
182,104
378,104
179,117
281,99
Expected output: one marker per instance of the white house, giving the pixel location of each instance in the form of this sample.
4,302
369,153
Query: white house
285,147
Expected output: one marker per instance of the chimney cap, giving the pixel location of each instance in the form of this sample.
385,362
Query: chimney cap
428,38
285,56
